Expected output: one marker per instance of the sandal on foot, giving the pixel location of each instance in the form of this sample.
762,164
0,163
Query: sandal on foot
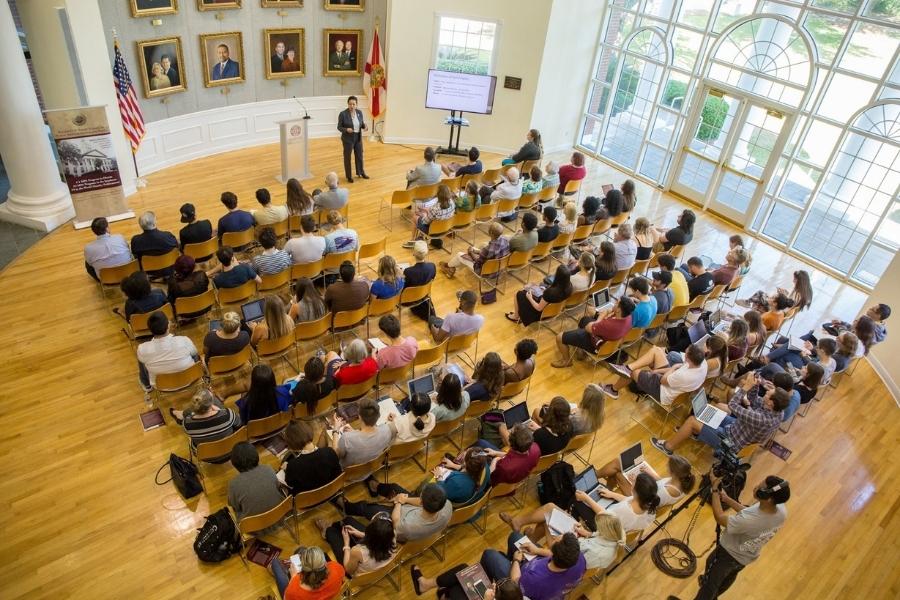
512,317
415,574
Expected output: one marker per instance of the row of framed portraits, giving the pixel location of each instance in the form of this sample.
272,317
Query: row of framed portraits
152,8
222,54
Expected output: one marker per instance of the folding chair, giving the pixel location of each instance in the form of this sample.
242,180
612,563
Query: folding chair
514,388
159,262
306,501
271,284
490,273
224,365
411,297
324,407
378,307
468,513
400,452
361,583
268,350
458,346
236,295
355,391
438,229
137,324
187,305
310,270
171,383
452,183
348,320
577,443
240,241
354,474
426,357
207,451
677,402
255,523
113,277
310,330
370,250
517,261
262,429
202,250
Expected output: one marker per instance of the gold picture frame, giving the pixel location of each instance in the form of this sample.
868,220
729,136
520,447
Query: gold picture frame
281,3
291,39
213,73
334,66
203,5
166,55
346,5
152,8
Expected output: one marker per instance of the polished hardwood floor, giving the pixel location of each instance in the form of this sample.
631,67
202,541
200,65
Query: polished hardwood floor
82,518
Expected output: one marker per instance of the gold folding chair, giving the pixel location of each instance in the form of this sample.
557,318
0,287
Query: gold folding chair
171,383
458,346
207,451
271,284
268,350
370,250
255,523
261,429
324,407
160,262
348,320
354,474
236,295
137,323
306,501
355,391
245,240
426,357
310,270
112,277
361,583
187,305
202,250
231,363
399,452
490,273
399,199
378,307
578,442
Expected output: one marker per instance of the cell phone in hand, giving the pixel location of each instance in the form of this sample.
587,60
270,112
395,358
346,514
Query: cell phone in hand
480,588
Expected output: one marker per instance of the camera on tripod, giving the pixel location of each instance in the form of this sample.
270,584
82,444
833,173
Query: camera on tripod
728,467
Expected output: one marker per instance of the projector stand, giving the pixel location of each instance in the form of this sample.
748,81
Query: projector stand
456,123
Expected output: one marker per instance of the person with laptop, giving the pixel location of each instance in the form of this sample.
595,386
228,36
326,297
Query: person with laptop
462,322
227,339
274,324
543,577
357,446
416,423
652,375
230,273
750,417
636,511
621,472
348,293
515,464
610,324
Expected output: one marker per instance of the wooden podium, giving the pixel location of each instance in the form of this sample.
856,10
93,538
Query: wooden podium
294,135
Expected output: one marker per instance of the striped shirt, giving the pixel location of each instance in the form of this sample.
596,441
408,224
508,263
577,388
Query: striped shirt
272,261
210,429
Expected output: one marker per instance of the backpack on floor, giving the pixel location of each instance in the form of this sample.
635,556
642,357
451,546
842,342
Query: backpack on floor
218,539
557,485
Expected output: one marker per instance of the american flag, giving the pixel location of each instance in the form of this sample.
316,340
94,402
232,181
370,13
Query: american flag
132,119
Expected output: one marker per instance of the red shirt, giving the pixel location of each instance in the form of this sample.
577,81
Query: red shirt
515,466
611,328
569,173
350,374
327,591
724,275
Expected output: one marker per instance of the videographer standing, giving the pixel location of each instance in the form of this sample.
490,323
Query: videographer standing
744,535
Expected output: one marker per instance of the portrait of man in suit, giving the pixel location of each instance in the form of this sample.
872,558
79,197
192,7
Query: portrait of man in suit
336,58
225,68
341,50
223,57
162,60
278,57
349,59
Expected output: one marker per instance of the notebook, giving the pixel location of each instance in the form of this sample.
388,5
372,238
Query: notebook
559,522
387,406
253,311
262,553
521,542
377,343
152,419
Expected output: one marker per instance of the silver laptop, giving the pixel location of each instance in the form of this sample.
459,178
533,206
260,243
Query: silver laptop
253,311
587,482
705,412
602,301
516,414
423,384
631,461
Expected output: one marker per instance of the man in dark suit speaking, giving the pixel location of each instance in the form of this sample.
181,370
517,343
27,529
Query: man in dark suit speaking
351,126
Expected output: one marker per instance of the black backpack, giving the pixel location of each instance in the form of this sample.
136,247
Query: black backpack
557,485
218,539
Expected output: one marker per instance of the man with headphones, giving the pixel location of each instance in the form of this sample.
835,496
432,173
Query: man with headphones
744,533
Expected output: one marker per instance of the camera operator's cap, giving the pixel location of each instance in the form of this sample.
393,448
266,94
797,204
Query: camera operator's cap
188,212
663,276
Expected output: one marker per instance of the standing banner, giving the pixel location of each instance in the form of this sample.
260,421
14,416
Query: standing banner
88,161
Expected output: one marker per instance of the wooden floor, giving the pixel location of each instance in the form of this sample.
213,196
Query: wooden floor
82,518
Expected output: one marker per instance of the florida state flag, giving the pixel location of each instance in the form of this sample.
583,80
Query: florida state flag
375,79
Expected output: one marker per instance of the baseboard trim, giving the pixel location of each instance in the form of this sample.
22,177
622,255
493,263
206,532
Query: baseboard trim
886,378
410,141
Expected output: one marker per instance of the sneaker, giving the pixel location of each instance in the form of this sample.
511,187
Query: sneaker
661,446
744,303
410,244
622,370
611,391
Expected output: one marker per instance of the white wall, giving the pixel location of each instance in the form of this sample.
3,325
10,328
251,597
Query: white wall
883,356
410,53
48,48
569,49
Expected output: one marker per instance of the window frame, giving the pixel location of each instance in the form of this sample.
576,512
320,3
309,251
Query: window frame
498,26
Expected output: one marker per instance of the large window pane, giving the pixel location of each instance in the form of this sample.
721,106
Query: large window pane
870,50
653,163
695,13
465,45
620,24
889,231
696,173
873,265
729,12
687,44
845,96
736,191
590,134
799,185
599,99
781,223
884,9
848,6
828,32
819,142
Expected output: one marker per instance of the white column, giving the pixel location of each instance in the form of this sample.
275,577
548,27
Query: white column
37,197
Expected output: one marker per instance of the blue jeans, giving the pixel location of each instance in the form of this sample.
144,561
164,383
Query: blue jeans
496,564
282,577
710,436
486,444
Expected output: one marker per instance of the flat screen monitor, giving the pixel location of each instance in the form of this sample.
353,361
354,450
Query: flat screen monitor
466,92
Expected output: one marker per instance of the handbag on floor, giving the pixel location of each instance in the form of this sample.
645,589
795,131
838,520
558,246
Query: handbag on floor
184,474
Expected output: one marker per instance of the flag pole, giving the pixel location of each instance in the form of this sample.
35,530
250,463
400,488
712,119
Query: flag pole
139,182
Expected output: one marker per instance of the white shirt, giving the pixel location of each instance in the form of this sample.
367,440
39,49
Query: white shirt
167,354
682,379
355,120
272,213
665,498
107,251
305,249
630,521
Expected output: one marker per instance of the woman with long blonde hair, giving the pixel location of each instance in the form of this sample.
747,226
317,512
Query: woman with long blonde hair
276,322
390,282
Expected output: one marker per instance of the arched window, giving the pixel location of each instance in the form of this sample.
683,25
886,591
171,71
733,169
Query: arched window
634,96
853,224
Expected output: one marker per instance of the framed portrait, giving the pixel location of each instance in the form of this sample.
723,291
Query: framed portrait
342,52
161,66
357,5
151,8
223,58
284,51
218,4
282,3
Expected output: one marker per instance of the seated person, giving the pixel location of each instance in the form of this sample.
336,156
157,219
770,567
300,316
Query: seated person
541,578
756,334
626,247
715,351
645,307
227,339
428,173
275,323
468,199
532,149
635,512
752,418
358,446
308,247
348,293
531,302
341,238
535,182
355,366
878,313
665,297
235,220
679,287
455,169
186,282
421,271
774,316
613,202
164,353
425,213
798,298
207,420
231,273
108,250
194,231
671,489
522,369
591,211
554,433
467,480
360,549
152,242
725,274
738,341
390,281
509,188
608,325
315,384
863,330
549,231
462,322
317,579
400,351
525,238
448,586
140,296
261,400
518,461
333,197
255,489
587,417
306,467
583,278
474,258
783,356
298,201
653,375
646,237
574,171
699,280
681,234
604,261
416,423
551,175
413,518
487,379
629,198
307,304
271,260
269,213
808,380
452,401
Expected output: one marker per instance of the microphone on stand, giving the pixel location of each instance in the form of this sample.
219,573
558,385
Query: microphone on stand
303,106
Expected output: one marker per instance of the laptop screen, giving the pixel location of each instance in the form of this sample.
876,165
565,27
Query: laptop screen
586,480
697,331
699,402
601,298
253,311
516,414
631,456
215,324
423,384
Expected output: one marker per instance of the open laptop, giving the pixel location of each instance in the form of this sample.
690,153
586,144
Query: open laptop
253,311
601,300
705,412
516,414
423,384
587,482
631,461
698,334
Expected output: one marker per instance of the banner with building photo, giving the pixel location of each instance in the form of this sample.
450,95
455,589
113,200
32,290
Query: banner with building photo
87,159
